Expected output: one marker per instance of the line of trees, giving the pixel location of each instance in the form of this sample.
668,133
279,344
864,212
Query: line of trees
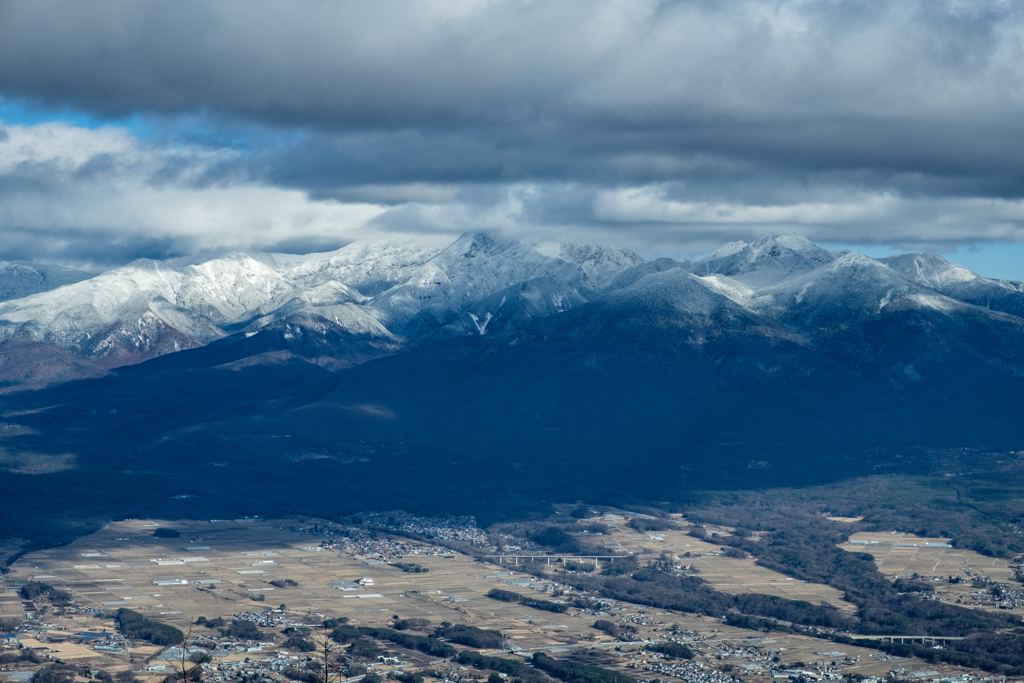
512,667
237,628
470,636
516,598
134,625
671,649
412,623
576,672
432,646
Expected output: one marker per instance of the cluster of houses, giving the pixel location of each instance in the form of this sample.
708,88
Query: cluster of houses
688,670
271,618
446,529
366,544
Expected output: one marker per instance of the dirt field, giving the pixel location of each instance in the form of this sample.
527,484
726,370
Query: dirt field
903,555
228,564
726,574
899,554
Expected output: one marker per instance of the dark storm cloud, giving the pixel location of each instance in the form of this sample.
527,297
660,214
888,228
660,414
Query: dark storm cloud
84,248
685,121
927,86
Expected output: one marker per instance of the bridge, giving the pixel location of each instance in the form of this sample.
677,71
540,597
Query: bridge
514,559
924,640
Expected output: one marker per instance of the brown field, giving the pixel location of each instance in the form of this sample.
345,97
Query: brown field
933,563
10,607
116,567
903,561
726,574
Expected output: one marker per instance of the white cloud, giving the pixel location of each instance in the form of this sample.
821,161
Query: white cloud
677,124
102,196
106,185
850,216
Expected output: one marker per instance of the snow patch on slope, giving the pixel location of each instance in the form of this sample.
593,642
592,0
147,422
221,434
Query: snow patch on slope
733,289
683,291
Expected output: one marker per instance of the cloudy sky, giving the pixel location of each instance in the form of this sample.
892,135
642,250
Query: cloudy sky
177,130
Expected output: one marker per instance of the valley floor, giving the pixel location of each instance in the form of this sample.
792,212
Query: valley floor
367,577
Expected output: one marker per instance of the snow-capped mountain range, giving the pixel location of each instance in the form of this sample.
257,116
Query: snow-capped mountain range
382,375
385,297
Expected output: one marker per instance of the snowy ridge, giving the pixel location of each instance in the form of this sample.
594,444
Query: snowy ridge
636,273
684,292
513,307
396,295
732,289
473,267
333,302
727,249
851,287
930,270
357,264
18,280
949,279
765,262
600,265
371,289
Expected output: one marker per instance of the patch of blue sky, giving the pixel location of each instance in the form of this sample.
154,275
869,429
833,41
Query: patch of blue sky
206,130
18,113
995,259
199,128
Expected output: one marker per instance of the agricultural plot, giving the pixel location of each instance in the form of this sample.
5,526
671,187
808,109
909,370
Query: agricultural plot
901,555
728,574
10,607
67,651
225,568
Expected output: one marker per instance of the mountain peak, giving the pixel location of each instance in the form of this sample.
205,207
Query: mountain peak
727,249
851,286
599,263
766,261
929,270
856,259
797,243
949,279
471,243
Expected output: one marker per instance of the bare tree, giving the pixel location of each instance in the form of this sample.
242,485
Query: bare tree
326,667
190,664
